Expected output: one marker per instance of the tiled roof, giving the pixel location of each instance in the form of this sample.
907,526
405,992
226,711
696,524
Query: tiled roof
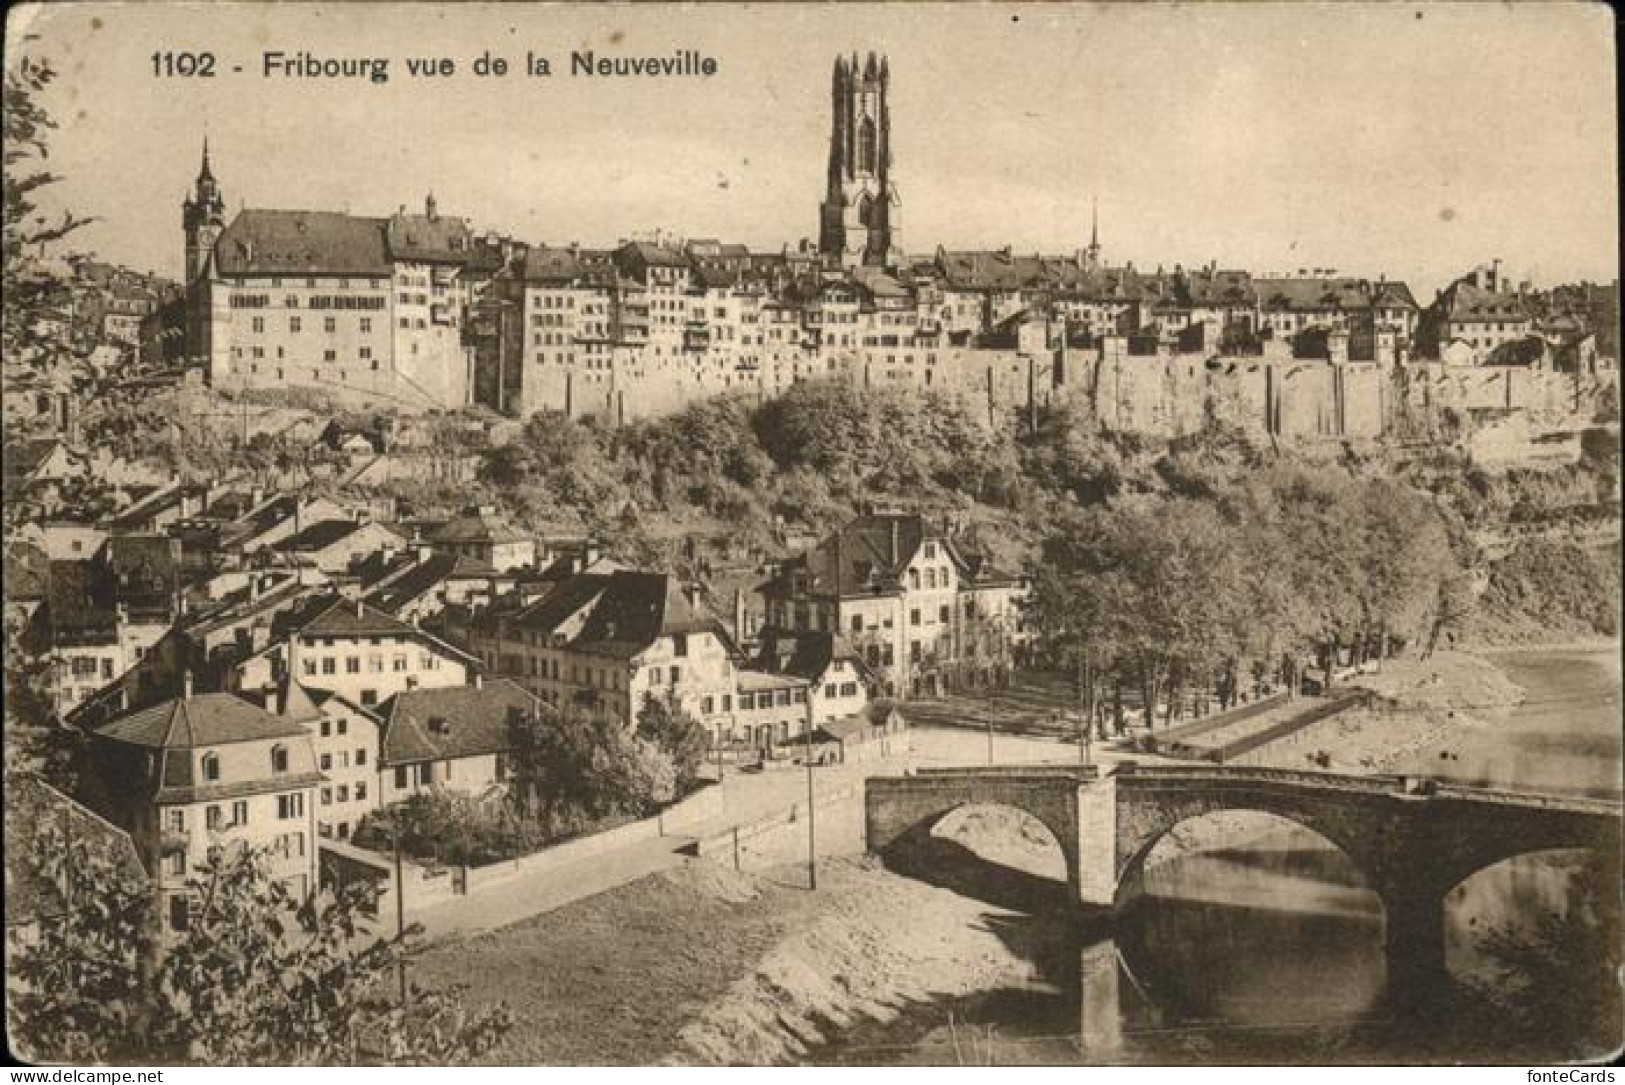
270,242
1465,301
438,240
29,802
1313,294
552,265
23,458
207,719
871,551
423,576
451,722
806,655
478,525
321,535
625,611
655,255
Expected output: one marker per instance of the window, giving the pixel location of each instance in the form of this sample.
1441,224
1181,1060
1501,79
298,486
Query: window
679,644
747,701
327,728
352,665
327,761
366,326
279,759
676,674
727,702
344,793
707,705
293,324
942,614
857,623
914,617
211,767
327,796
399,663
400,776
330,355
179,911
829,689
375,664
369,697
309,667
361,757
849,689
239,812
328,665
211,818
330,324
914,579
343,725
361,787
290,806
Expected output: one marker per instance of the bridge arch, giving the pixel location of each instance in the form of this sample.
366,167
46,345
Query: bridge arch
1144,839
1147,816
903,813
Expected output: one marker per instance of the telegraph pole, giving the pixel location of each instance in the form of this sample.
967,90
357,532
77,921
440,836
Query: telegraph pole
812,834
400,912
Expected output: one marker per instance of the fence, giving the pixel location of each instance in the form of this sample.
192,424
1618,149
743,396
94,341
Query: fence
702,806
723,846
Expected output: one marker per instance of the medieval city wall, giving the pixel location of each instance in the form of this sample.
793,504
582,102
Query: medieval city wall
1161,396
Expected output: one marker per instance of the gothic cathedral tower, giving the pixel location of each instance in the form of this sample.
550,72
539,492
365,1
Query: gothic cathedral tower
860,215
203,216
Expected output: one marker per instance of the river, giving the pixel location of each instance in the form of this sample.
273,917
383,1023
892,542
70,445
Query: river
1262,945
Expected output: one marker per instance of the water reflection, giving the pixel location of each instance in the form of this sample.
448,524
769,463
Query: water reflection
1262,944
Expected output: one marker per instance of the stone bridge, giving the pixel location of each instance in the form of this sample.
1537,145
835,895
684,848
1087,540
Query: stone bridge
1412,839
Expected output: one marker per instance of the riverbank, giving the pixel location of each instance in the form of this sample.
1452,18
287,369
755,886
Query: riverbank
700,965
1419,705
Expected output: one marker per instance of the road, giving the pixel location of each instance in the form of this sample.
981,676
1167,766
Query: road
747,797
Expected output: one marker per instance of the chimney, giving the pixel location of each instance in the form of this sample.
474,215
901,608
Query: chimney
360,609
424,552
186,684
479,680
256,496
894,541
253,587
1495,276
739,615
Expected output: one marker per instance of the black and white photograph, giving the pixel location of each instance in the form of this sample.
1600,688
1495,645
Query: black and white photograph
843,535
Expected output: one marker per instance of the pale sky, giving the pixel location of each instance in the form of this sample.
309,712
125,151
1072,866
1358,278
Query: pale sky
1414,140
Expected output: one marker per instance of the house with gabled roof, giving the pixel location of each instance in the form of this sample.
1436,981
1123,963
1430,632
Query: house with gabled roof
351,648
205,771
34,899
927,614
346,739
607,641
453,738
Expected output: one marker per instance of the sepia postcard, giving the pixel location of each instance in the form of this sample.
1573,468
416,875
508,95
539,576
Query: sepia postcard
854,535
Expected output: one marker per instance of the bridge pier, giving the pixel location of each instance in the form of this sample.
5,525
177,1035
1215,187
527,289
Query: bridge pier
1413,949
1100,1007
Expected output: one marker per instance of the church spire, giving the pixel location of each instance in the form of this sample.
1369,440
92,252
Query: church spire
1094,223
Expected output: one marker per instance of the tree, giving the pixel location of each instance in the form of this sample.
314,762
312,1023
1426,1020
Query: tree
31,284
257,977
576,767
678,734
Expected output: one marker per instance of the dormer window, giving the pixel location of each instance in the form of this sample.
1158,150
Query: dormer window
279,759
211,767
439,725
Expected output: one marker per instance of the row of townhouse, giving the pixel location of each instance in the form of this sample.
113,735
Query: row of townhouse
888,606
205,771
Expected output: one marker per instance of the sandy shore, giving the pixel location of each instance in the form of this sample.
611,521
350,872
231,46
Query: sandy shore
1419,704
